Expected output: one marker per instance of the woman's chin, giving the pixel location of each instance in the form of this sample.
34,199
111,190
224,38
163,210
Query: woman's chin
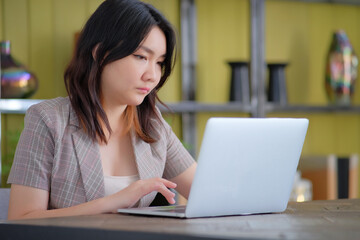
137,102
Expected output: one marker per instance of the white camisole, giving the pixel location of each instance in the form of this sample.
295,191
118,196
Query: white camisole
113,184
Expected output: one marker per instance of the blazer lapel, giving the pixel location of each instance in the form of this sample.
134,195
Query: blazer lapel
88,156
147,165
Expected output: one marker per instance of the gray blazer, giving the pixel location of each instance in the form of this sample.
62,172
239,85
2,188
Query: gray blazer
55,154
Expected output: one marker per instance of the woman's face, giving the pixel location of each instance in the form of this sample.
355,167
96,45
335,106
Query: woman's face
127,81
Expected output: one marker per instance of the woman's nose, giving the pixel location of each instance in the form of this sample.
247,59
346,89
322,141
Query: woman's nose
152,72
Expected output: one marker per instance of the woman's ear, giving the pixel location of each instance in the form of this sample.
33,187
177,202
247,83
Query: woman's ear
94,51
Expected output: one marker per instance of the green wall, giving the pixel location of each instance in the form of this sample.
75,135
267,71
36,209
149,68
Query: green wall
42,37
300,33
296,32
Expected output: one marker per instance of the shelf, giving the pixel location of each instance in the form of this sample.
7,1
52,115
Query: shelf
234,107
351,2
272,108
19,106
195,107
16,106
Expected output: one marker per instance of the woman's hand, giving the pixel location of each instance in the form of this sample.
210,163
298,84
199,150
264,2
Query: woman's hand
129,196
28,202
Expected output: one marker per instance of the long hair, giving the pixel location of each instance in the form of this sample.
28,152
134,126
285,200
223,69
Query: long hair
115,30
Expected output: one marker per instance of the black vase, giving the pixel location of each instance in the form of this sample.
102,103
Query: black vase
277,92
239,88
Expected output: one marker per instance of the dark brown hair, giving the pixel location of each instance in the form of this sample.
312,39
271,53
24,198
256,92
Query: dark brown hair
117,28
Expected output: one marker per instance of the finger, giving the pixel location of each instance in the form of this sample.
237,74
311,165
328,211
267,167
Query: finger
169,195
144,187
168,183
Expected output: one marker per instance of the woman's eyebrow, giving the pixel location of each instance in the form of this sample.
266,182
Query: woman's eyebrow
150,51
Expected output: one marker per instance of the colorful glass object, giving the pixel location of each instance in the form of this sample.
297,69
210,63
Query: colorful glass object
16,80
341,70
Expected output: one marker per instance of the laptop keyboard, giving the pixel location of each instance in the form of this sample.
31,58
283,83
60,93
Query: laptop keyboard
175,209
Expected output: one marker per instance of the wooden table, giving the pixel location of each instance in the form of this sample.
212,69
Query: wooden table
337,219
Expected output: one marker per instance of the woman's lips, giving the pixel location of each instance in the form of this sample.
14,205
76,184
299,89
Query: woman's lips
144,90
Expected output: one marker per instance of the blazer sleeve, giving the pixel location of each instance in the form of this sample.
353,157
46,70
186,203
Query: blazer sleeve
178,159
34,153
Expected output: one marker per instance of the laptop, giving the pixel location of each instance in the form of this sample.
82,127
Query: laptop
245,166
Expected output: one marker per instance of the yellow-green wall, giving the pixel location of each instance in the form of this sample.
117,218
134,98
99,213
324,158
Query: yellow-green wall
300,33
42,36
296,32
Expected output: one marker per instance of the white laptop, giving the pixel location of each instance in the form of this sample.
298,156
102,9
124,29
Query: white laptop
245,166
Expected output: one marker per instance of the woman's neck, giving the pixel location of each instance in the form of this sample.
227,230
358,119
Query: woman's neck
115,117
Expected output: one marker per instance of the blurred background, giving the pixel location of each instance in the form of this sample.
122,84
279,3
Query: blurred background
299,33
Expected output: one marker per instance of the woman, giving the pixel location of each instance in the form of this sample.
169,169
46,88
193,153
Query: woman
105,146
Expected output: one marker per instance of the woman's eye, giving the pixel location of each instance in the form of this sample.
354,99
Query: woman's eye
161,64
140,57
